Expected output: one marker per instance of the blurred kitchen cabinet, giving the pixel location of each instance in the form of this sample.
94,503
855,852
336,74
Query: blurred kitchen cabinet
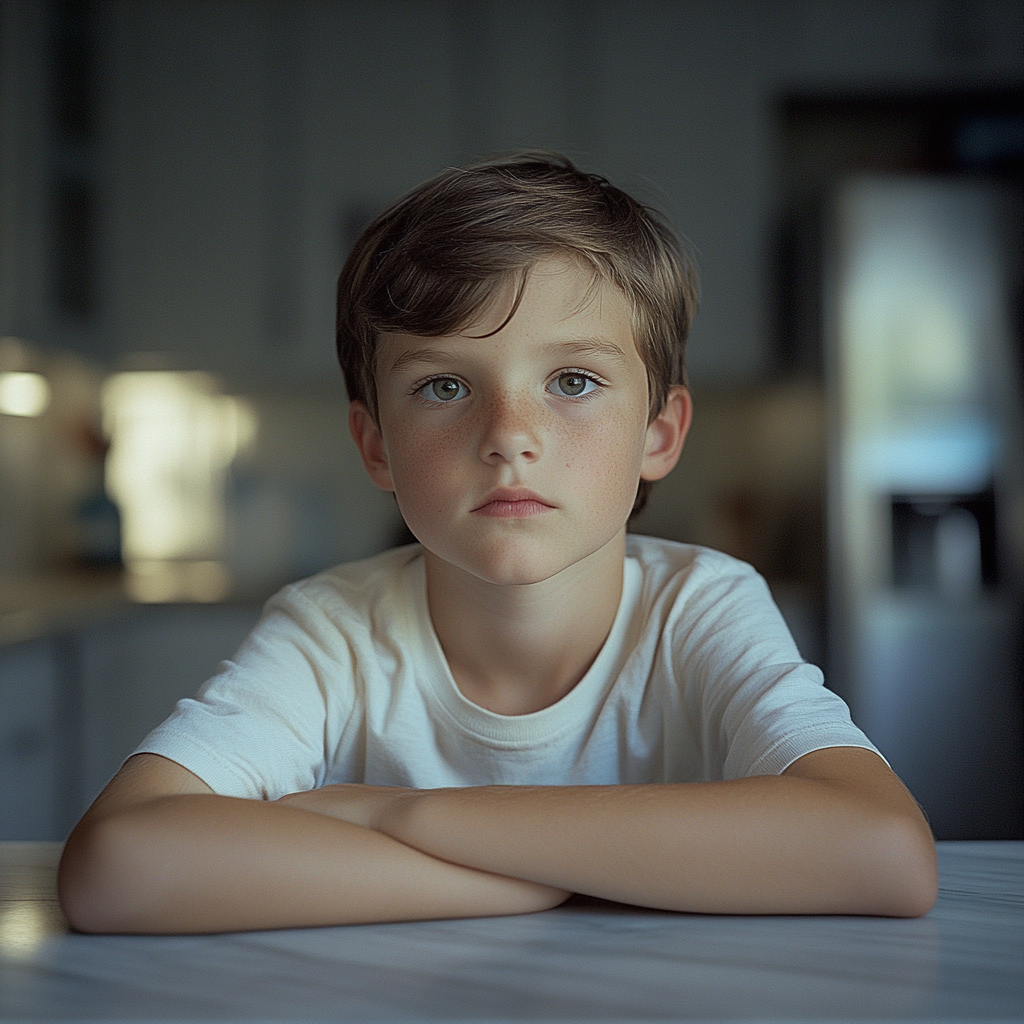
74,705
135,669
29,767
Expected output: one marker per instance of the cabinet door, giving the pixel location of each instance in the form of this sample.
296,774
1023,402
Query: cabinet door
135,669
29,769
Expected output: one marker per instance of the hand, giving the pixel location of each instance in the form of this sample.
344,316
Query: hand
352,802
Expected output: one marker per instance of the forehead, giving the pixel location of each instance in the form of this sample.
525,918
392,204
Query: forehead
562,305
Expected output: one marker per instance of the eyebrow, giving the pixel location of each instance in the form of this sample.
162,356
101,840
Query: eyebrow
578,347
413,356
591,347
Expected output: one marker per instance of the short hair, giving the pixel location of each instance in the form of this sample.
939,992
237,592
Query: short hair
431,262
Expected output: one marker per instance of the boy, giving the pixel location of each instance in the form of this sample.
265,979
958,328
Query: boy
527,703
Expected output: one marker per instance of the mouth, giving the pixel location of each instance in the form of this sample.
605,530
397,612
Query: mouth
512,503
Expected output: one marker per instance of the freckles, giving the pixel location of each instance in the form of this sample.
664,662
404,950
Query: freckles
615,465
423,468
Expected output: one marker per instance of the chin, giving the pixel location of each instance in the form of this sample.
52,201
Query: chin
512,571
523,564
521,559
508,563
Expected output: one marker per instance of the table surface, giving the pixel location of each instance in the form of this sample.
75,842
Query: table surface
585,961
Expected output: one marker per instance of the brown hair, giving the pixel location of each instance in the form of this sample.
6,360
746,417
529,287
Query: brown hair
430,263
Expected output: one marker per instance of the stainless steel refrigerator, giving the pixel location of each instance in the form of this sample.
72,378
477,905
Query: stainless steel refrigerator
926,486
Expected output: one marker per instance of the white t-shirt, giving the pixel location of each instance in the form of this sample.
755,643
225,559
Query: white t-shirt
344,680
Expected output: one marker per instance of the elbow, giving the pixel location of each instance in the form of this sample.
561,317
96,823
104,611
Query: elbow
906,882
921,885
83,886
97,880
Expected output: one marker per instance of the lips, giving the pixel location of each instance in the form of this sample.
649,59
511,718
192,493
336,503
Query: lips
512,503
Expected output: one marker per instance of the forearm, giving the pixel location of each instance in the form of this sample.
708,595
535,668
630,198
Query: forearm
760,845
206,863
836,833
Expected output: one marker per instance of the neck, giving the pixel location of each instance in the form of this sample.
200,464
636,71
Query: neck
518,649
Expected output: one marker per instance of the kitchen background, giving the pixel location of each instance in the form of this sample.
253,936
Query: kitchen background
180,183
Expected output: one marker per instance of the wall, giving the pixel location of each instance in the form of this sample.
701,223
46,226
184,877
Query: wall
239,143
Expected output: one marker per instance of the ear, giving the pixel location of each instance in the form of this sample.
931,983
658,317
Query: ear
666,434
370,442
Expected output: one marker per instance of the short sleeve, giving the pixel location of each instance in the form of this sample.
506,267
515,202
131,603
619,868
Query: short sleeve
260,727
759,705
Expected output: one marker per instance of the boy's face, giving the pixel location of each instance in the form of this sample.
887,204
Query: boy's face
515,456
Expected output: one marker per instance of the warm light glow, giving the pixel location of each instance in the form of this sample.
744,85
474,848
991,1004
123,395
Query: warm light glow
23,927
172,439
155,581
23,394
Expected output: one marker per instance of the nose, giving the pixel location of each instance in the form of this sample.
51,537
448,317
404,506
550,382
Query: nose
511,430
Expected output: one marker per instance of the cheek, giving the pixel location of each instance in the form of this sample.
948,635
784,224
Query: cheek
422,465
605,457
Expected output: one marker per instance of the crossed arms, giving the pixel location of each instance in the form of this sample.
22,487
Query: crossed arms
158,851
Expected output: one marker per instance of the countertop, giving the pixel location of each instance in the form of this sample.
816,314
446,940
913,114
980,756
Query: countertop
37,605
40,604
585,961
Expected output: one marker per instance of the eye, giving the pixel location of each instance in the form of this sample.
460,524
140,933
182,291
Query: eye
444,389
573,384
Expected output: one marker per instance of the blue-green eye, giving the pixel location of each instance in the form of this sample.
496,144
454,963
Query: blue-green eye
444,389
573,384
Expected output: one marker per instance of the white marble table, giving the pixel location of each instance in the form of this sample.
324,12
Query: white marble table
586,961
